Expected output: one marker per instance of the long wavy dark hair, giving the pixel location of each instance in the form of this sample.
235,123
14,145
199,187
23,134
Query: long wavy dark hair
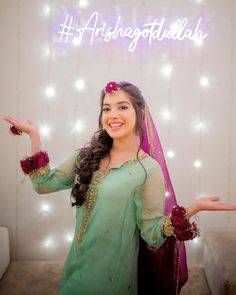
101,143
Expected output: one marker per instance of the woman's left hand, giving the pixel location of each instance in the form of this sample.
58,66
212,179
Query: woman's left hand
213,204
209,204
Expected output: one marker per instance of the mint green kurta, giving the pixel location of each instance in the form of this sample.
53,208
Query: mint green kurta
105,260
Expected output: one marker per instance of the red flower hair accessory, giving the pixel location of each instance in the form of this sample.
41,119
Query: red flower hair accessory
111,87
15,131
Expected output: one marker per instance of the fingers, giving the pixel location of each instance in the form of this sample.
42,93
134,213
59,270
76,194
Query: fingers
10,120
227,207
224,207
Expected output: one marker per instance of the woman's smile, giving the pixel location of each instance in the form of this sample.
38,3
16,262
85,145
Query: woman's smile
116,126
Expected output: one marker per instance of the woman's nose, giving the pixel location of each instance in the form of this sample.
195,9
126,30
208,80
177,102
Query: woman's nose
113,114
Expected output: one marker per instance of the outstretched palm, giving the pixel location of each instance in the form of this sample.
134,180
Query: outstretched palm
213,204
29,128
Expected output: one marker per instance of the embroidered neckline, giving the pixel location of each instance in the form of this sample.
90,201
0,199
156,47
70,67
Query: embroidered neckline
143,156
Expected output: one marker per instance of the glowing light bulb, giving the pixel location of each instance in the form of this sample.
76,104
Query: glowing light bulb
79,126
50,91
47,10
204,81
197,164
83,3
47,51
79,84
48,243
195,240
76,41
166,70
170,154
166,114
199,125
44,130
45,208
198,42
69,238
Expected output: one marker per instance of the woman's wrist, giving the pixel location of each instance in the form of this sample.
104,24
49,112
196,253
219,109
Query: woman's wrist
192,210
35,142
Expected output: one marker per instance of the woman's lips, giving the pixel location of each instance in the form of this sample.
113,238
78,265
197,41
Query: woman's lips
115,126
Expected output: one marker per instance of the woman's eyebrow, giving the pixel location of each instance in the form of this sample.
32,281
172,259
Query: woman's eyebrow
120,102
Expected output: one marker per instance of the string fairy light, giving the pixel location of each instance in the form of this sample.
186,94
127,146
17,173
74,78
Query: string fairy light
18,98
45,131
50,91
46,10
171,154
76,41
166,70
196,240
199,125
197,164
166,114
45,208
83,3
48,243
69,238
80,84
204,81
198,42
79,126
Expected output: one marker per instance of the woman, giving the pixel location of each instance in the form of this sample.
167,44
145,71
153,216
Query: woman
118,187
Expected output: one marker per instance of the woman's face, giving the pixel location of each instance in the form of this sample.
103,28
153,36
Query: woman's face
117,109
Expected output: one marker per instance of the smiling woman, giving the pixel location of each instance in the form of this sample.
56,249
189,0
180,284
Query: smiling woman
118,114
129,235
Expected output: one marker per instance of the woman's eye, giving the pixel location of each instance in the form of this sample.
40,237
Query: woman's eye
122,108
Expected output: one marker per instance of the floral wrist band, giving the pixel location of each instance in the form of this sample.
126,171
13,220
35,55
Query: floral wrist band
15,131
183,229
34,162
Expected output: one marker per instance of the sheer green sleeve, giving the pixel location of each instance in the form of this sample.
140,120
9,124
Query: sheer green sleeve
149,202
46,180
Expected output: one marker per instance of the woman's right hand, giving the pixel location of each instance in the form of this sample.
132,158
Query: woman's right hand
30,128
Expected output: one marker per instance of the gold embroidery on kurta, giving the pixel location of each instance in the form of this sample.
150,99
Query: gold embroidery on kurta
89,203
92,195
147,212
40,171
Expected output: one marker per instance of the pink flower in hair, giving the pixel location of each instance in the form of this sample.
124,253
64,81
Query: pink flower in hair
111,87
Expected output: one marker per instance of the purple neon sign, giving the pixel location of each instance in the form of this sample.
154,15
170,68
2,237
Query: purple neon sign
157,30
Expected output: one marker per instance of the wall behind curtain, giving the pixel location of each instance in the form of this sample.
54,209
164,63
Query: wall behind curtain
31,61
